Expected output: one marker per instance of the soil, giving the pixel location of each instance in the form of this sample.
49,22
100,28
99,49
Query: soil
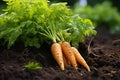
103,57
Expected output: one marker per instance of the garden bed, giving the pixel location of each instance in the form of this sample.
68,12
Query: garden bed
104,61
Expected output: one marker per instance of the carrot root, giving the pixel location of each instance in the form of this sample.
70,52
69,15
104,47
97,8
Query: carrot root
57,54
66,48
79,58
66,62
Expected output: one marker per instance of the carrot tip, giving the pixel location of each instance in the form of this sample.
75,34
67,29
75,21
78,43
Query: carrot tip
88,69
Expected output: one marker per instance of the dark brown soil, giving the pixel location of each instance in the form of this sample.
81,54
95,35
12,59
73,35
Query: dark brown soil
103,58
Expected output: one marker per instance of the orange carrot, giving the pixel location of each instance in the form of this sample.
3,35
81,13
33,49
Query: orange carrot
66,62
57,54
79,58
60,42
66,48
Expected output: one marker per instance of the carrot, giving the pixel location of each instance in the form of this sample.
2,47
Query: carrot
57,54
60,42
66,48
66,62
79,58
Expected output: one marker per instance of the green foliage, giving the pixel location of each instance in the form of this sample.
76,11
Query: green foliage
37,21
32,66
101,14
21,21
81,28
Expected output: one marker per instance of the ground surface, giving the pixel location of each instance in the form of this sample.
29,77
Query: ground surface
104,61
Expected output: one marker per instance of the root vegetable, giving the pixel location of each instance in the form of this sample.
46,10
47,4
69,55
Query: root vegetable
79,58
66,48
57,54
66,62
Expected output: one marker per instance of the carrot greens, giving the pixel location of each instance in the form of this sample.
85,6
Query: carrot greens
38,21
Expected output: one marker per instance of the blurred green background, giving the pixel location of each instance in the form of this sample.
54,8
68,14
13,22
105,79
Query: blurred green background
90,2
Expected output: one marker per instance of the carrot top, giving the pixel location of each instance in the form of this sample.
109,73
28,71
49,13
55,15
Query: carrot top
38,21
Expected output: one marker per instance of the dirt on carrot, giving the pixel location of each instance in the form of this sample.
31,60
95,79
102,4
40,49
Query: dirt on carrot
69,54
79,58
57,54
